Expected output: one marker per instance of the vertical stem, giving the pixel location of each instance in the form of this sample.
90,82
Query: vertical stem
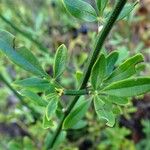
99,43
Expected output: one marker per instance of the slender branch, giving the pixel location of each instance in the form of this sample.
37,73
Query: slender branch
99,43
23,33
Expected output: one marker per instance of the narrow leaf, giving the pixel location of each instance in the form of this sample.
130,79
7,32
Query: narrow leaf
126,10
98,72
111,61
51,107
76,115
101,4
126,69
34,98
118,100
104,111
128,87
60,61
23,58
79,125
8,37
47,123
35,84
81,10
61,137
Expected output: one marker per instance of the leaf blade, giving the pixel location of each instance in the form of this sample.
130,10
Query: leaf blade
104,111
98,72
34,98
126,69
128,87
35,84
29,64
126,10
101,4
76,115
81,10
51,107
60,61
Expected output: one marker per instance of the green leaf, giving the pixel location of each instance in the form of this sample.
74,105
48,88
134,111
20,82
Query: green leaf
47,123
81,10
60,61
98,72
117,100
34,98
79,76
76,115
61,137
116,110
23,58
79,125
101,4
35,84
104,111
51,107
126,69
128,87
111,61
126,10
27,54
8,37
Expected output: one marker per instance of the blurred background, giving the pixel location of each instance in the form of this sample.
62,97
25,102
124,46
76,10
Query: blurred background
41,26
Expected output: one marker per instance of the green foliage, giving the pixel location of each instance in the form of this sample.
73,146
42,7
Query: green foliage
115,139
51,107
128,87
111,61
35,84
34,98
21,57
47,123
81,10
60,61
101,4
120,88
112,82
126,11
126,69
98,72
76,114
144,143
104,111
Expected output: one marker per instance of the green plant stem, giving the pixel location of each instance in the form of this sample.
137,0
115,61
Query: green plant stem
76,92
23,33
99,43
34,113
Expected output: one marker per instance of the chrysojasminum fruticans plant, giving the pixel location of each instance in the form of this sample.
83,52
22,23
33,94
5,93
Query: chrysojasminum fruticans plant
107,86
